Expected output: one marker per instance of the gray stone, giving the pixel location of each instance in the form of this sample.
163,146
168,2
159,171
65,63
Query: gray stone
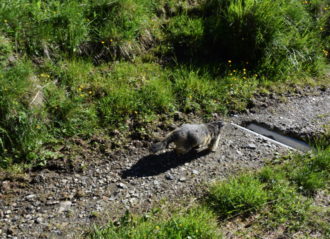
169,177
195,172
64,206
121,185
182,179
51,202
156,182
251,146
39,220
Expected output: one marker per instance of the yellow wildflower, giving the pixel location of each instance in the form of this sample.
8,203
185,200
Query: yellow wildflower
44,75
90,92
102,42
5,21
229,61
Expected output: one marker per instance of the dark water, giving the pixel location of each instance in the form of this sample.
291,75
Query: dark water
287,140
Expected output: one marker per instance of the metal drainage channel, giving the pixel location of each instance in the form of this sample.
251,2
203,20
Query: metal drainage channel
274,137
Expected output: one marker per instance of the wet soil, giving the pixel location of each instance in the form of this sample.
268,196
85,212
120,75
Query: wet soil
62,201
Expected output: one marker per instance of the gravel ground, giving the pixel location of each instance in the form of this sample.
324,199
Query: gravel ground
60,204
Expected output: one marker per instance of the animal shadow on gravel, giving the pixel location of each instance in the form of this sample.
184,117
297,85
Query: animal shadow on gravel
152,165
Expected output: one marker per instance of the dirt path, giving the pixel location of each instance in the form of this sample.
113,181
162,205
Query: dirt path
53,204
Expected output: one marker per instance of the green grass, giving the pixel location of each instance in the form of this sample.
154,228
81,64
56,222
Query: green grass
281,195
195,223
244,194
275,198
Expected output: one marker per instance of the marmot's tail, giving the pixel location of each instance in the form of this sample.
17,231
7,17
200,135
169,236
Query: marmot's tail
162,144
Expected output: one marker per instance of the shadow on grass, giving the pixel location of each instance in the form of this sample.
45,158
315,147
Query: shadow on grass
152,165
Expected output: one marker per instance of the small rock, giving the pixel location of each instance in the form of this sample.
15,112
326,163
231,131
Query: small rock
182,179
39,179
251,146
30,197
138,144
121,185
98,208
5,186
79,194
29,208
133,201
195,172
64,206
39,220
64,181
51,202
169,177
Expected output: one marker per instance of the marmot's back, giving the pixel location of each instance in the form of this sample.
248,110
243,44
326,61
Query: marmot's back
190,136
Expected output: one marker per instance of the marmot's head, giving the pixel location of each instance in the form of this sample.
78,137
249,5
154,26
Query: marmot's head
217,125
